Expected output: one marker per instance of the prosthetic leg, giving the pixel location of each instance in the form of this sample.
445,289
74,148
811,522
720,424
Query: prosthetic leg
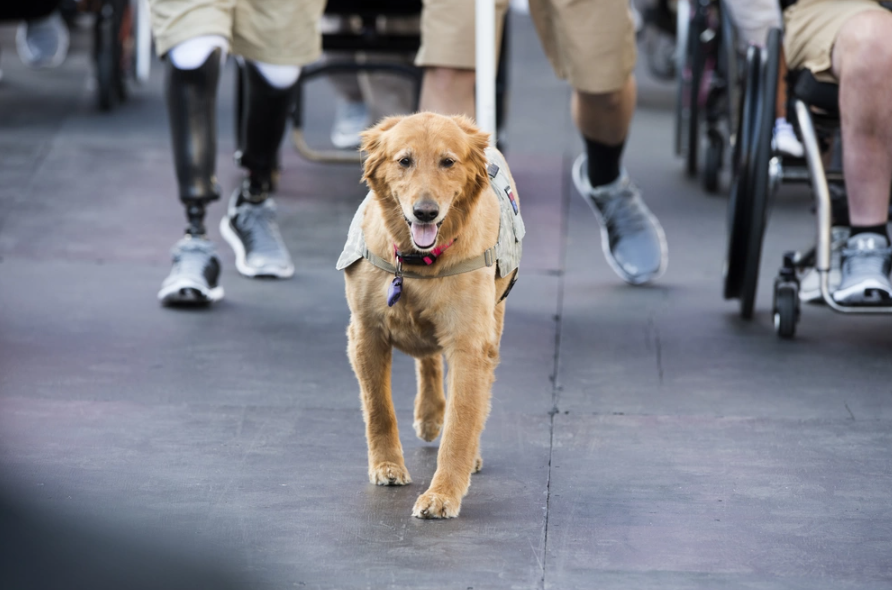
250,224
191,104
192,108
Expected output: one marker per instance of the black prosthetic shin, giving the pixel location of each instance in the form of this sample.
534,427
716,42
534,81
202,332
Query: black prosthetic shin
191,107
264,117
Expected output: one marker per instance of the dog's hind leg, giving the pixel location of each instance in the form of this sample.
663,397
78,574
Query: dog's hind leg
430,401
371,357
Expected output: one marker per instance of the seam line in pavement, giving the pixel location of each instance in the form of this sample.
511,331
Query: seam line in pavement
555,383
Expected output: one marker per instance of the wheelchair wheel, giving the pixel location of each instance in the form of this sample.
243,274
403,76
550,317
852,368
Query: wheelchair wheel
697,56
713,165
729,64
739,202
721,108
761,155
111,27
786,310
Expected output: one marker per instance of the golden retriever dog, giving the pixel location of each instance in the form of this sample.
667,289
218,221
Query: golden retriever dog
431,200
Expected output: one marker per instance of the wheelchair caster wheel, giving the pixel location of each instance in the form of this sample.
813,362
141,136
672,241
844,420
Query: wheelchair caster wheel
786,308
713,164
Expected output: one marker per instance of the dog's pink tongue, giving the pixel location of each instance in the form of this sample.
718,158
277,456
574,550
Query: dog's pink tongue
424,234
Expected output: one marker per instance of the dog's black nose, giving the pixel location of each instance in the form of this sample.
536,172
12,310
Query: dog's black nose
426,211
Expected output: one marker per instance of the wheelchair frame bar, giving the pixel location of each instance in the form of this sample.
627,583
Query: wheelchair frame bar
353,44
823,213
800,174
307,73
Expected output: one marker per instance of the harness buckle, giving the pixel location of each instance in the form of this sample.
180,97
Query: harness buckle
417,259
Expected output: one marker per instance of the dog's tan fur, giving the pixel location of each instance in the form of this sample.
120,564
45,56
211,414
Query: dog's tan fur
459,316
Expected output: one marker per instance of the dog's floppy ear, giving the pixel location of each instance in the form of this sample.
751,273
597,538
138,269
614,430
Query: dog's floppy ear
478,141
373,146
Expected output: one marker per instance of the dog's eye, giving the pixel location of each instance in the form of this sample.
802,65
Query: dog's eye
447,162
406,162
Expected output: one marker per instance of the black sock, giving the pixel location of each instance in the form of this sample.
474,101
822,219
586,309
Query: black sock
871,229
603,161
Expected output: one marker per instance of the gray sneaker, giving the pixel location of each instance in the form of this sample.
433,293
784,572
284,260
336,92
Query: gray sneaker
253,233
810,282
866,262
631,236
193,278
43,42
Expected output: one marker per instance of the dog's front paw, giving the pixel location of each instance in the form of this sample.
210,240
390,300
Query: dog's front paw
389,474
433,505
427,430
478,464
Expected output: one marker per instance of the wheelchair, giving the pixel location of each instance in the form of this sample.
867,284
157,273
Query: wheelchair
367,37
659,39
814,109
707,77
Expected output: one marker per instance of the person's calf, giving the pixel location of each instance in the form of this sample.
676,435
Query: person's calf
448,91
862,58
605,117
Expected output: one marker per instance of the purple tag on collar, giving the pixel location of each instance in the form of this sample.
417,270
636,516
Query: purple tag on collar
394,291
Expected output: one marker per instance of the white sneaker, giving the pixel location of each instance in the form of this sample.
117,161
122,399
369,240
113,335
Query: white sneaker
193,278
43,42
351,119
785,140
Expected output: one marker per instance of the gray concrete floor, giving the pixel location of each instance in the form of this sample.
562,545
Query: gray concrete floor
639,438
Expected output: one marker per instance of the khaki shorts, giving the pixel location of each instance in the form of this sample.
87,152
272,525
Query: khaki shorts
447,33
590,43
283,32
811,27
